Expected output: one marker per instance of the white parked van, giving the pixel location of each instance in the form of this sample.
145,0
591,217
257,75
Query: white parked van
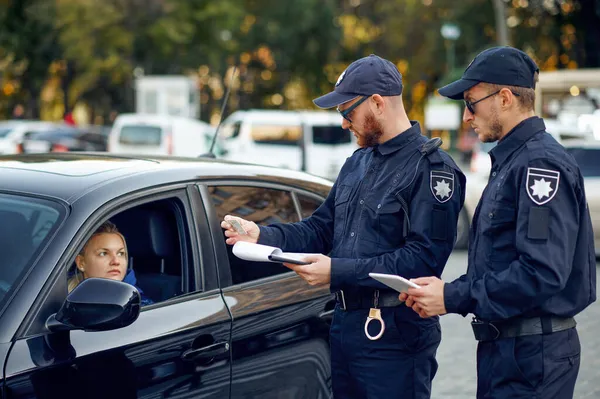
312,141
159,135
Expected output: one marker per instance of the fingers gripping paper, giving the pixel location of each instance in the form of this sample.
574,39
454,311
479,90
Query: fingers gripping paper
265,253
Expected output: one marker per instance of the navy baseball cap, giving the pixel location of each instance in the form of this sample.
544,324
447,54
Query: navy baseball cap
364,77
498,65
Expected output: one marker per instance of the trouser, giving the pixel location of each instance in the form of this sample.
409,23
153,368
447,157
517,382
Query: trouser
533,366
401,364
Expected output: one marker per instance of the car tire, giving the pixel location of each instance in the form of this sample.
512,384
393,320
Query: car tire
462,230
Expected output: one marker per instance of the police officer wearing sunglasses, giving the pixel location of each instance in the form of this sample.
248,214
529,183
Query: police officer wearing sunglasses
393,209
532,262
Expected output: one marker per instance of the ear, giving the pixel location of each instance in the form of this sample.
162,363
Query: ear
506,97
378,104
79,262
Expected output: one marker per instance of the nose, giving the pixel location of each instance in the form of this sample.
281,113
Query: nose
467,116
345,124
114,260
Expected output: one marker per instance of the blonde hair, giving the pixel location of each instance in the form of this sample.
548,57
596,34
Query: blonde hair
107,227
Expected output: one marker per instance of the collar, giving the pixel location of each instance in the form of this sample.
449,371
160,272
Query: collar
401,140
516,138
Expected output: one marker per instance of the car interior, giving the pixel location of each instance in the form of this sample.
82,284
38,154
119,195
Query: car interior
154,248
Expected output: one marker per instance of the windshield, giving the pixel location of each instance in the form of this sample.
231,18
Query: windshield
140,135
331,135
5,129
25,224
587,159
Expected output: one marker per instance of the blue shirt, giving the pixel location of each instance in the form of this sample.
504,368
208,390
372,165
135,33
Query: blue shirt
531,246
391,210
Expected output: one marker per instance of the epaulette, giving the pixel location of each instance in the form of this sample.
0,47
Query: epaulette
430,150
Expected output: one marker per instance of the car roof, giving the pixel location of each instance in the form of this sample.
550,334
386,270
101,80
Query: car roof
69,176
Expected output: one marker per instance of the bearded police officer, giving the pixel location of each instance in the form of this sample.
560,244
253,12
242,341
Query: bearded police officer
393,209
531,253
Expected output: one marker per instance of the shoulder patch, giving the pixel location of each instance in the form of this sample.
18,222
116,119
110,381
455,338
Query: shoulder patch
542,184
441,184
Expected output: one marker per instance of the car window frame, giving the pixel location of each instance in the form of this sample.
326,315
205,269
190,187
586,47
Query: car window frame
225,275
53,292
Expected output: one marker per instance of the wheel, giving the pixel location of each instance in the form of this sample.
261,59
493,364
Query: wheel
462,230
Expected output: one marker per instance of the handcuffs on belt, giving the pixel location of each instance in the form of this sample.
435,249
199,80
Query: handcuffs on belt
374,314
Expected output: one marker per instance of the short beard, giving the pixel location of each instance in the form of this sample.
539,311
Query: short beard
372,132
495,128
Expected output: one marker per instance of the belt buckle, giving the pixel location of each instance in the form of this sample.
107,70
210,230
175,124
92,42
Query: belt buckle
340,298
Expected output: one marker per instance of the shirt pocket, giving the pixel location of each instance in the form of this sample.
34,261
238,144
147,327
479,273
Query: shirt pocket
342,197
501,233
384,224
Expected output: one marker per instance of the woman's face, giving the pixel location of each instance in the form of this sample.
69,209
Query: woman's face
104,257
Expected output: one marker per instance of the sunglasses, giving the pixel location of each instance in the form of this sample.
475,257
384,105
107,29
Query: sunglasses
471,105
346,113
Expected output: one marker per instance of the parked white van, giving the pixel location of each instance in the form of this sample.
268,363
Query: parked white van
311,141
159,135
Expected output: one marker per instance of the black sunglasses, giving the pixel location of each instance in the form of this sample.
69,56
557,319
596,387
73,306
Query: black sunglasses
346,113
471,105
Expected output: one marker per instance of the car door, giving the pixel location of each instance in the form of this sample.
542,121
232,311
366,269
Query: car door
178,347
280,337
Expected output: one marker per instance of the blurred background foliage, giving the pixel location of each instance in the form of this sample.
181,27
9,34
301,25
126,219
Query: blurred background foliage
56,54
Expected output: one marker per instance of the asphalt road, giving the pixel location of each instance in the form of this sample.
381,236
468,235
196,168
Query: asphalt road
456,377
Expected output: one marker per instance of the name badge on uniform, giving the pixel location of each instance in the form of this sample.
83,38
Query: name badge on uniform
542,184
442,185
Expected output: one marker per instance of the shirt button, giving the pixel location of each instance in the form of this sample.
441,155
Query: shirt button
494,174
362,202
397,174
491,215
352,234
395,181
378,206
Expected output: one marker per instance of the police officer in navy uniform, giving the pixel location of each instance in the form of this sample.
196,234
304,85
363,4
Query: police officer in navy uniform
393,209
531,263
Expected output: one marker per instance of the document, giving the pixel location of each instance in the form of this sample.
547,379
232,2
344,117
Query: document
265,253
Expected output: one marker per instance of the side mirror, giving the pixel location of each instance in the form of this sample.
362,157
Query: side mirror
97,304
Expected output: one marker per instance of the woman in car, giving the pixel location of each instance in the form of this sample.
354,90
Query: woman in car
105,256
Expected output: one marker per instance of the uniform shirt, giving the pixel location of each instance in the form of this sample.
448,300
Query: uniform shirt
531,247
362,224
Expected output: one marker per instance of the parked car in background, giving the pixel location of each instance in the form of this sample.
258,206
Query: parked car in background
310,141
61,139
147,134
12,133
220,327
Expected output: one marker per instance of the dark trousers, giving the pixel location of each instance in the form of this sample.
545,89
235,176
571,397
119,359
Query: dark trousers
401,364
534,366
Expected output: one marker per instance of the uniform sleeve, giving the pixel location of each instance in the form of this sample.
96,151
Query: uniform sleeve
435,203
547,226
311,235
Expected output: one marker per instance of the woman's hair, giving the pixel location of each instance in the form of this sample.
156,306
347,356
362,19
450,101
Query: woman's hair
107,227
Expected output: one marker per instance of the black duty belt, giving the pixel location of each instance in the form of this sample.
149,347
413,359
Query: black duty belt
490,331
367,300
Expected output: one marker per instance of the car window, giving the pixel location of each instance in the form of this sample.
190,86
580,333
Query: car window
5,131
25,225
330,134
308,205
276,134
587,159
140,135
157,247
262,206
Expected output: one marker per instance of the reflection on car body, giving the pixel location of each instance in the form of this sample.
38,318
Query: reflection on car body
219,327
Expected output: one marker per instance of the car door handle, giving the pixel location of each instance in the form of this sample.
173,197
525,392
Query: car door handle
205,352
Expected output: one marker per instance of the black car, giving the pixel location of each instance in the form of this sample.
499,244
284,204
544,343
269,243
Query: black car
62,139
220,327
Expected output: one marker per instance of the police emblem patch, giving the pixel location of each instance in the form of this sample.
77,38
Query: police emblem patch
442,185
542,184
340,78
